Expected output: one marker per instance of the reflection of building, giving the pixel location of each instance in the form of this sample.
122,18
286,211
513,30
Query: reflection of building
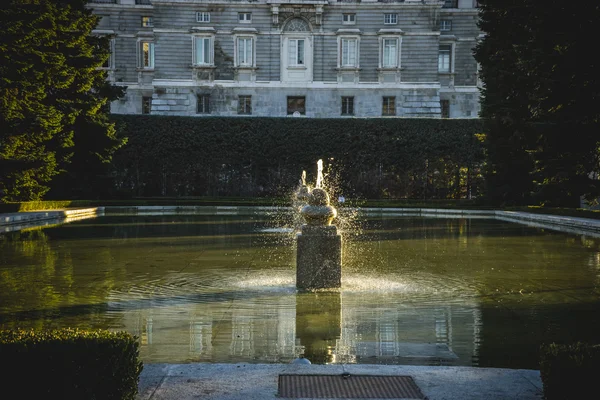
324,327
408,334
319,58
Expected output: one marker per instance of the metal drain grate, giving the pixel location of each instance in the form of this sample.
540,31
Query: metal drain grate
348,387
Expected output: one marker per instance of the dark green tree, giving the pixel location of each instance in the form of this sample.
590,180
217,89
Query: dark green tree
53,95
539,100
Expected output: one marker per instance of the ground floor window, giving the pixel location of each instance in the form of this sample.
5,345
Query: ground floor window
389,105
245,105
347,105
146,105
445,105
203,104
296,104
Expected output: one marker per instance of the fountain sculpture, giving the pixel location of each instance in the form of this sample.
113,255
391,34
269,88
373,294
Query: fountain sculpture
319,246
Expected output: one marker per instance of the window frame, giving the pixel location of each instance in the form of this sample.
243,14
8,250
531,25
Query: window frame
245,107
385,108
203,17
347,106
449,50
344,41
142,54
391,16
444,108
147,21
445,25
382,56
206,109
237,62
146,105
245,20
109,64
348,21
211,50
296,40
303,98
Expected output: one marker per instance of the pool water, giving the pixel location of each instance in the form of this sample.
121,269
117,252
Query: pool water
197,288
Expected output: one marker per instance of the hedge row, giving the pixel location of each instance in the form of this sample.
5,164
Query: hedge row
69,364
569,371
372,158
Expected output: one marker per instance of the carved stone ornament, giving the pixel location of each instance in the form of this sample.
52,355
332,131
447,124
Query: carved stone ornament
282,14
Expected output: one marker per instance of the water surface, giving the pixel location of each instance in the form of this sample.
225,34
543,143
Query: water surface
195,288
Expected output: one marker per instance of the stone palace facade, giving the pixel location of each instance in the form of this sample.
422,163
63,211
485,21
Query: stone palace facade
313,58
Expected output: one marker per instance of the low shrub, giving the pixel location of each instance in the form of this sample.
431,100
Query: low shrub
70,364
569,371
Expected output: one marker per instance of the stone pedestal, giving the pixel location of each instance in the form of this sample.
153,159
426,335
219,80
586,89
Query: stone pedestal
318,258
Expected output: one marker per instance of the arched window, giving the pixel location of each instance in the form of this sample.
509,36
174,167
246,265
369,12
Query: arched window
297,25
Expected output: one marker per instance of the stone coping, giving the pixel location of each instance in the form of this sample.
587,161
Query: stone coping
20,220
27,219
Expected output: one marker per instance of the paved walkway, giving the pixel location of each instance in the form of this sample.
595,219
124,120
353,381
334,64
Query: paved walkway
259,381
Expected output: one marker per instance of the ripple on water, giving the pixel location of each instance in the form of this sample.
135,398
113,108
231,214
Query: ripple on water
417,287
272,282
276,230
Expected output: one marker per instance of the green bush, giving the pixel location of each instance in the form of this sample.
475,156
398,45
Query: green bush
264,157
69,364
569,371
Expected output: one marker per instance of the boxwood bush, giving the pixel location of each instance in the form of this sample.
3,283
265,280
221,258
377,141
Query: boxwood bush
570,371
69,364
263,157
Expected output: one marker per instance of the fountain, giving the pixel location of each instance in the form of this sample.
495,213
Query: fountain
319,246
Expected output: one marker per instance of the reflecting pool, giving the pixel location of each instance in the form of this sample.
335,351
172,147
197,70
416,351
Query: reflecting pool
197,288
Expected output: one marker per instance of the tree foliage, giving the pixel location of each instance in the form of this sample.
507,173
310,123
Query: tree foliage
52,95
540,100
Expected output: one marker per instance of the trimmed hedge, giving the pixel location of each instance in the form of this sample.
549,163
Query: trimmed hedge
69,364
256,157
570,371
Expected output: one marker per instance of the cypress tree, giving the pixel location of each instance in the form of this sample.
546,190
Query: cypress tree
52,94
539,100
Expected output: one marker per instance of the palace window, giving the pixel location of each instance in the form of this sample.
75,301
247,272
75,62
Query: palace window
245,17
203,104
296,104
389,52
147,22
147,54
245,105
348,52
445,58
445,107
203,50
347,105
146,105
202,16
445,25
388,105
390,19
245,55
110,61
348,19
296,52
